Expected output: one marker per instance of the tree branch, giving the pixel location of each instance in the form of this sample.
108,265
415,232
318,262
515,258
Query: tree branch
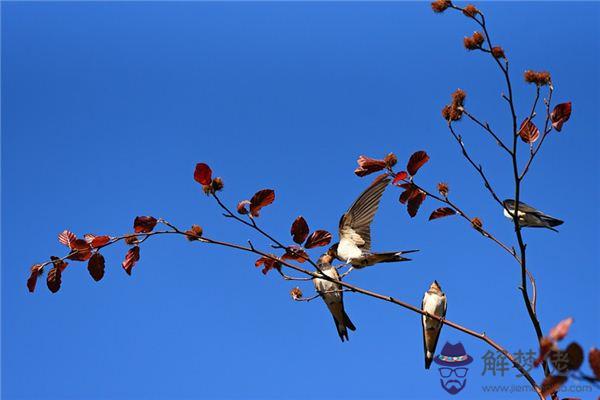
347,286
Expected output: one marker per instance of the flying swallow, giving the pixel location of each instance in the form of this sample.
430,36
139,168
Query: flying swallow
354,229
434,302
530,217
332,295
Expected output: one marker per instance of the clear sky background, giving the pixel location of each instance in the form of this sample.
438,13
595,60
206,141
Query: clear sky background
106,108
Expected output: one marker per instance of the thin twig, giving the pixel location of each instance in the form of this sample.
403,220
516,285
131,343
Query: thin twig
487,127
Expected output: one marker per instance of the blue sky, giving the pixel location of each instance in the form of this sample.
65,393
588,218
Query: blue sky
106,108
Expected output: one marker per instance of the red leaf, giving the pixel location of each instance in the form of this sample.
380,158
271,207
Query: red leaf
241,207
67,237
268,263
546,344
144,224
58,263
261,199
560,115
400,176
131,258
594,359
409,193
299,230
54,279
574,356
528,132
81,250
552,383
415,202
317,239
442,212
36,271
203,174
295,253
99,241
561,329
416,161
96,266
367,165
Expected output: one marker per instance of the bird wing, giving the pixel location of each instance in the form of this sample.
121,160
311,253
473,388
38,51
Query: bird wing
522,207
355,224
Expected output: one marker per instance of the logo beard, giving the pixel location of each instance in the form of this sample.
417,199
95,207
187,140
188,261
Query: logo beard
453,386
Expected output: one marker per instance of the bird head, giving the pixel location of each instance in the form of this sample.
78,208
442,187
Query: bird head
332,251
325,259
435,286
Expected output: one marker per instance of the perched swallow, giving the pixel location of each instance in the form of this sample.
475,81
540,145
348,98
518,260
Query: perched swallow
332,295
434,302
354,246
530,217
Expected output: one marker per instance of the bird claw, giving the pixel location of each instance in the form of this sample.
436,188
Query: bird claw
347,272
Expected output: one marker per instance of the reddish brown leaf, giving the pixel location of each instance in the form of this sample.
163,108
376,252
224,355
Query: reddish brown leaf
528,132
561,329
546,345
416,161
261,199
409,192
594,359
96,266
131,239
67,237
241,207
203,174
100,241
144,224
477,223
574,356
36,271
131,258
296,293
317,239
390,160
552,383
442,212
96,241
560,115
82,250
443,188
194,233
53,279
415,202
367,165
295,253
400,176
299,230
58,263
269,264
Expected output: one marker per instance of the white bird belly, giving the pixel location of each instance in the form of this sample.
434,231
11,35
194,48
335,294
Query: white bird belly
347,250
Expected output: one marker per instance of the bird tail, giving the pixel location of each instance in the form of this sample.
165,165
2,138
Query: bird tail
348,323
428,359
392,256
341,320
341,329
551,221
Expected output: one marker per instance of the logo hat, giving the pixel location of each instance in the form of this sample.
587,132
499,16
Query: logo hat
453,355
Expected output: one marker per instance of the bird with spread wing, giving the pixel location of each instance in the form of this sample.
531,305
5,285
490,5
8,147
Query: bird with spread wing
354,247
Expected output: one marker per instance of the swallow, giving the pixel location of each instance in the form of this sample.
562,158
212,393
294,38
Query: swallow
354,230
434,302
530,217
333,296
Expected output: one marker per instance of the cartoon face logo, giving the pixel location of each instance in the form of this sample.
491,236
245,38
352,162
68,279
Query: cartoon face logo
452,361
